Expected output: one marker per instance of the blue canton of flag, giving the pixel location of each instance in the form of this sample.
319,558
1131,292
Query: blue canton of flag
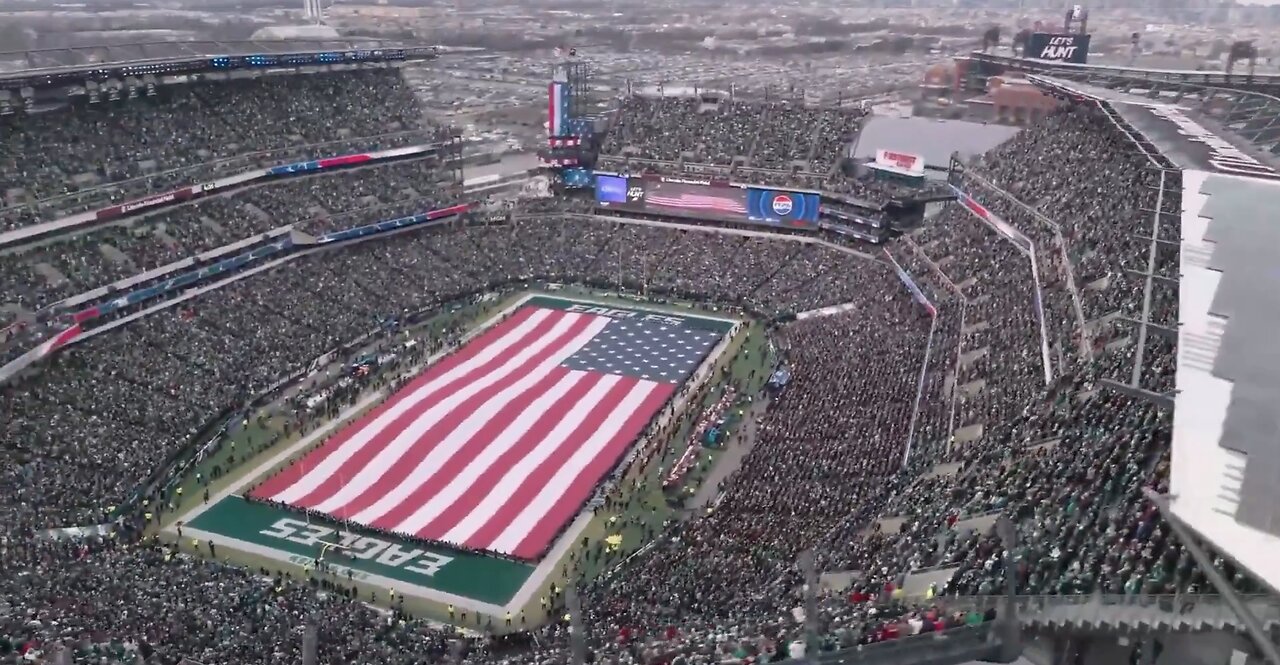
646,349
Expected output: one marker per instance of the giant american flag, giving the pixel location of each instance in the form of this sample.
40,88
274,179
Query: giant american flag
499,445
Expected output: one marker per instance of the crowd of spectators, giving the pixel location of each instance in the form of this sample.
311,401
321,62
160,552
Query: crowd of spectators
106,412
894,415
1074,179
314,205
192,133
717,131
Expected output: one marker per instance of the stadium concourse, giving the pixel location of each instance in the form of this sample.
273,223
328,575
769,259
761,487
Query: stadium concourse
978,428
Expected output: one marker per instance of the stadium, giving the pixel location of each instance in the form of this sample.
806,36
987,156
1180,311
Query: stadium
713,379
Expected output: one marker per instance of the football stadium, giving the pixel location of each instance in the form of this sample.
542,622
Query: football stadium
296,368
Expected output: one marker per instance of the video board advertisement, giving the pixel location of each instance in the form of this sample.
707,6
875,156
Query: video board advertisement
730,204
1058,47
782,207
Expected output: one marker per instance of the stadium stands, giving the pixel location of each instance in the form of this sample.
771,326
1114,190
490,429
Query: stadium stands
1068,461
775,143
778,136
190,134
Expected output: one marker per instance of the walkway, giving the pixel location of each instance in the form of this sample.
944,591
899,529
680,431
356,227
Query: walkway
735,450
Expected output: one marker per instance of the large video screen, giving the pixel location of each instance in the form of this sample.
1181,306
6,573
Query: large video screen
782,207
730,204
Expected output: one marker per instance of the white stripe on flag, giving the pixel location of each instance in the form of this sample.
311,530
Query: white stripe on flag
454,441
464,482
337,459
511,481
536,511
387,458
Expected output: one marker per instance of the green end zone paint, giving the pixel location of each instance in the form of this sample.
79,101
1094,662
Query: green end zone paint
483,578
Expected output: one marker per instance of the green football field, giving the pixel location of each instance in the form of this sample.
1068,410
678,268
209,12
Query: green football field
258,534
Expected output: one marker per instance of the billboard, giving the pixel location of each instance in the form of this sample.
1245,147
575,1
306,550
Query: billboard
900,162
1058,47
694,200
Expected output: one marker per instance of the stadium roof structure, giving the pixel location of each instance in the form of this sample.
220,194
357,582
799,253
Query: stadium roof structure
1245,105
1225,481
159,51
934,139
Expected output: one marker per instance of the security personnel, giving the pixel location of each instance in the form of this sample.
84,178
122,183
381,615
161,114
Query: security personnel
451,613
508,619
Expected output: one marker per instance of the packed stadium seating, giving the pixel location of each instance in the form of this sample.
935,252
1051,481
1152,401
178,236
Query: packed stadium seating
758,143
189,134
840,465
776,135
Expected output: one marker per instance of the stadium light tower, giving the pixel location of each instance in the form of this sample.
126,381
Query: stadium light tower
312,10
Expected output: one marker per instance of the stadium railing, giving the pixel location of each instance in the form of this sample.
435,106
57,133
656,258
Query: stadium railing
196,172
955,645
1192,608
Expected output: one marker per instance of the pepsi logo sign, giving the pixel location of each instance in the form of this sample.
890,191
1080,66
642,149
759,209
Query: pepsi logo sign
782,204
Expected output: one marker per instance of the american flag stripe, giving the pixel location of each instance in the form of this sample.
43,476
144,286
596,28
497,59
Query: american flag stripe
542,437
480,523
495,447
353,449
439,430
487,431
696,201
327,478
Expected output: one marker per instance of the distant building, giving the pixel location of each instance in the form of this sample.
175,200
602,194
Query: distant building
374,11
1012,100
940,80
298,32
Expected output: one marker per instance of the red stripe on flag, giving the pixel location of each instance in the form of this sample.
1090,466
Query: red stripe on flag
398,470
469,453
486,483
291,474
545,529
446,472
530,487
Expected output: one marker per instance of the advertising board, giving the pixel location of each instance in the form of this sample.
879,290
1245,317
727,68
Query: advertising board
901,162
1058,47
